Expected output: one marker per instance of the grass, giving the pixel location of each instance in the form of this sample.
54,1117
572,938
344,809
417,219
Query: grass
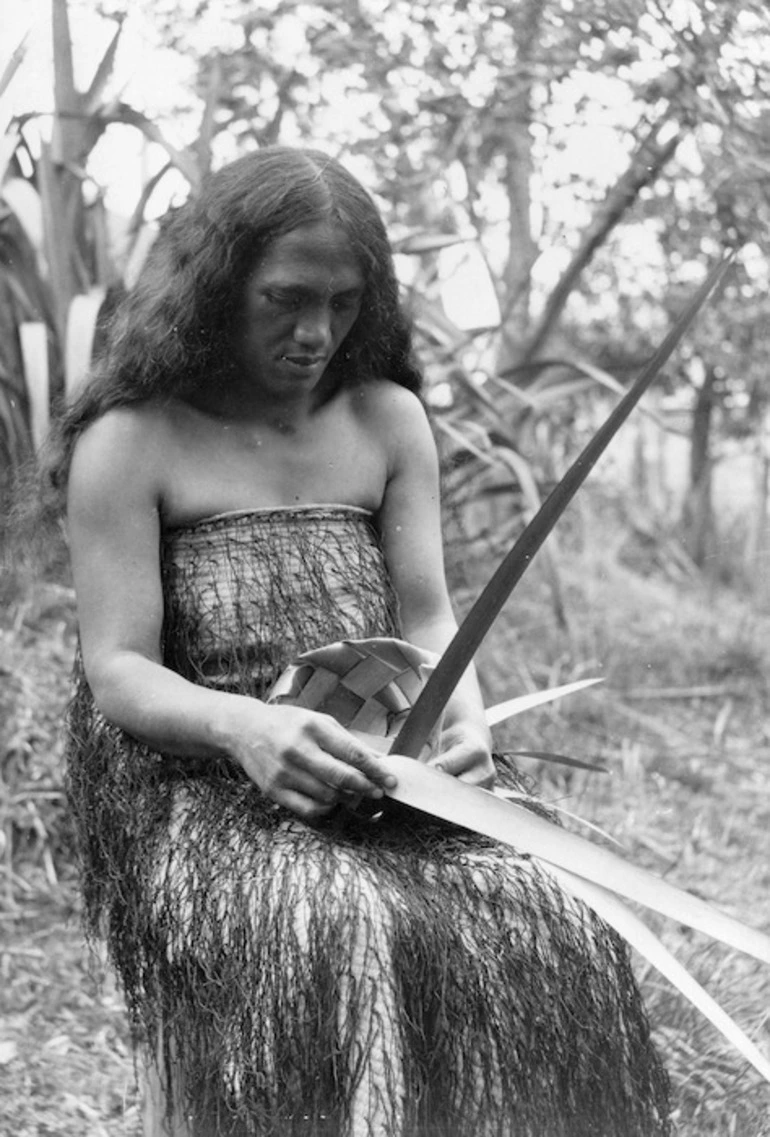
65,1063
681,723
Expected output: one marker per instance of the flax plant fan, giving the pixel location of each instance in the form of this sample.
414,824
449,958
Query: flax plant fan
388,690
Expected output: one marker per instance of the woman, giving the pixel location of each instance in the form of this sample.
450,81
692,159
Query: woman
249,475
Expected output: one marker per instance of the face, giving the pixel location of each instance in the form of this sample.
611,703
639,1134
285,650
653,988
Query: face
299,303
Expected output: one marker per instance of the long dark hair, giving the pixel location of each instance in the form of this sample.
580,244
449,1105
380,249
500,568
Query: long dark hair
170,335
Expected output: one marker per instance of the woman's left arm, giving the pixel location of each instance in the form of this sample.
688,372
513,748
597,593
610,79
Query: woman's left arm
410,527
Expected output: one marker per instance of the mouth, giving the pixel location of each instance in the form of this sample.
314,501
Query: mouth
305,362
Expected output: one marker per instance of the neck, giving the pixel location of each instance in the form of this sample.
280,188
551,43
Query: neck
234,399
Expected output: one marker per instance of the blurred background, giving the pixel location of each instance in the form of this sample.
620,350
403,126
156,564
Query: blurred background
557,179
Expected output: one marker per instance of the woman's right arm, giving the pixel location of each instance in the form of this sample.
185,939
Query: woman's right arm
300,759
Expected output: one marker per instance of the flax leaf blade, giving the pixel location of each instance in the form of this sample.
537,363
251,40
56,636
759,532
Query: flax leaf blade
441,795
516,706
438,690
639,936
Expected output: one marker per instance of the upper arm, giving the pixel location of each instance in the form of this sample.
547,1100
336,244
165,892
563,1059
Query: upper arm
113,509
410,517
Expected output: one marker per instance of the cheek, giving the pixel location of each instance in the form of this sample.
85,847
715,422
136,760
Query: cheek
260,324
345,324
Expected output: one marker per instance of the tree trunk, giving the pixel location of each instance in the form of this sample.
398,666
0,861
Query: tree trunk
516,145
650,158
756,553
697,511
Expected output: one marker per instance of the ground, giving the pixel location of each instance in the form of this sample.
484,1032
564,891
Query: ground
680,722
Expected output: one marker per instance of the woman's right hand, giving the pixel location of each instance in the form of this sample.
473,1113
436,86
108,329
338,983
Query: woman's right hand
302,759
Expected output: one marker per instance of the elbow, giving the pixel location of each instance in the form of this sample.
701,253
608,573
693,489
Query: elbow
113,680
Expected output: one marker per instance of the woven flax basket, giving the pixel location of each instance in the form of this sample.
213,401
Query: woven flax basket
368,686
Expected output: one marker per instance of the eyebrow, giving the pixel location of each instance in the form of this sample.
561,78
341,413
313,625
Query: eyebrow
304,290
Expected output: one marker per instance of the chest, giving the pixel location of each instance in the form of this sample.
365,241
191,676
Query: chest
244,594
233,466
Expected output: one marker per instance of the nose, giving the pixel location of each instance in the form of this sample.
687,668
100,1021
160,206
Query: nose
314,328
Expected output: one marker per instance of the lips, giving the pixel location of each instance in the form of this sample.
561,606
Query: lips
304,360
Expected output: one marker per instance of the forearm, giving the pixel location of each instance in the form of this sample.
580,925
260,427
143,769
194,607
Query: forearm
299,758
465,705
162,709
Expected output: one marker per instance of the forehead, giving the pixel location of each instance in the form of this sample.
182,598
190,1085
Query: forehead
320,253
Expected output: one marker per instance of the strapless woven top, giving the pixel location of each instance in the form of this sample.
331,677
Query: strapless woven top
246,592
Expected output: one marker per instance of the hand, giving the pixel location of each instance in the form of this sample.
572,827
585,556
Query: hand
304,760
465,753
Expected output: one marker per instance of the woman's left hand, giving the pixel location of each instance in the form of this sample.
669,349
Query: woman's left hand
466,754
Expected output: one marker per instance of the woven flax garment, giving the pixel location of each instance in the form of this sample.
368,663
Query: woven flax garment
403,979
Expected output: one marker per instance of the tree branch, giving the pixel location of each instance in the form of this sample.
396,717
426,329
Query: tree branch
646,164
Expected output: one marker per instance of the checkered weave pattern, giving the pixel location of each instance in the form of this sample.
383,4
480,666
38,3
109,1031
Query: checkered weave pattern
368,686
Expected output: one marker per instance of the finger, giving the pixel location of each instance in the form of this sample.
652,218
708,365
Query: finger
478,776
454,761
468,765
305,807
314,762
308,785
322,792
352,761
346,778
296,776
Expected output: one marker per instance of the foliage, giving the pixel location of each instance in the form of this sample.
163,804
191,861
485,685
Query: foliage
593,162
59,259
455,103
595,159
467,120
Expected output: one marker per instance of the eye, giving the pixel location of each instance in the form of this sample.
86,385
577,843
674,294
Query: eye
348,302
288,301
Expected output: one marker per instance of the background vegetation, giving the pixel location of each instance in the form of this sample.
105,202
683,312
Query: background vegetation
585,166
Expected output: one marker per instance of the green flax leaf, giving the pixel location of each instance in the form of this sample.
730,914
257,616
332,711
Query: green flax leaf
438,690
442,795
639,936
521,703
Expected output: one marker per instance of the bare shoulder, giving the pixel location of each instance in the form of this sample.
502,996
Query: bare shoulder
130,424
383,398
120,455
395,415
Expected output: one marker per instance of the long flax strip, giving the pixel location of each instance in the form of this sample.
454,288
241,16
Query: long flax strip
521,703
558,848
628,925
437,691
589,872
371,683
432,791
